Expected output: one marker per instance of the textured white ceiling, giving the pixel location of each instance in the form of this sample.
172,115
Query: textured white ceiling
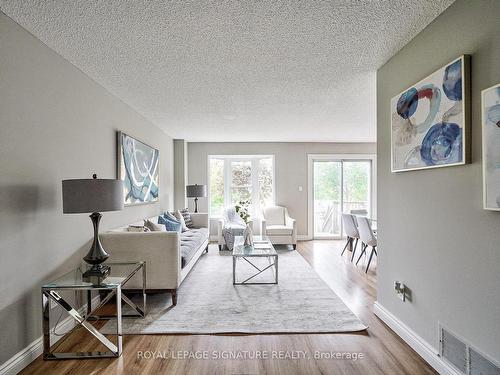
235,70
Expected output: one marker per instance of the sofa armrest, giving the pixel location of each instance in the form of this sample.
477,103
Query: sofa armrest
160,251
291,223
220,238
200,220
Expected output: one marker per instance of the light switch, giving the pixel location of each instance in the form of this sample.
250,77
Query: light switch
300,187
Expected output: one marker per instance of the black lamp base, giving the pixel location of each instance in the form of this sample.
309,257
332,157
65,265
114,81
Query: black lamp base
97,270
96,254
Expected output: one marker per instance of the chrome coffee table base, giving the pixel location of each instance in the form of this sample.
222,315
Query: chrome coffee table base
261,248
272,264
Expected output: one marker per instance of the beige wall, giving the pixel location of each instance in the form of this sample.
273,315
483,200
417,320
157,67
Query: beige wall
55,123
433,233
290,168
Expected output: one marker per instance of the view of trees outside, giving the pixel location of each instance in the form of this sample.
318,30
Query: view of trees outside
356,181
266,182
216,186
241,181
240,177
327,198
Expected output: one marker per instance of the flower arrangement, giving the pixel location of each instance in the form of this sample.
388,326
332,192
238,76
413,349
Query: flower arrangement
242,209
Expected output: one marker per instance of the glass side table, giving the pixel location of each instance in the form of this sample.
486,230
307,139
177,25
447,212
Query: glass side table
119,275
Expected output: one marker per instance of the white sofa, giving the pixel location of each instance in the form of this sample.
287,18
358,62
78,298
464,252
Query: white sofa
278,226
169,256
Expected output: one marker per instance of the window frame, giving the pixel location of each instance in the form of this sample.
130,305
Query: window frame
254,159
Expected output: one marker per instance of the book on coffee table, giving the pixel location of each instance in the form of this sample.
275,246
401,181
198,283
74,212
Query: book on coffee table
261,245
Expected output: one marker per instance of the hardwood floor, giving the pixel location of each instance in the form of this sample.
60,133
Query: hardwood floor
383,352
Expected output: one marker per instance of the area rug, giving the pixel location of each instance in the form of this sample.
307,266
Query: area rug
209,303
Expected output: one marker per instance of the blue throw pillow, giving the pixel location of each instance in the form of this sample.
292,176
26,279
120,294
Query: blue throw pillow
170,225
168,215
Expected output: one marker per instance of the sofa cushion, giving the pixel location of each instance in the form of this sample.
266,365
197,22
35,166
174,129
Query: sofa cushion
278,230
274,215
191,241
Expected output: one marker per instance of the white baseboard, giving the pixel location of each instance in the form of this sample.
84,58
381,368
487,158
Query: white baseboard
27,355
417,343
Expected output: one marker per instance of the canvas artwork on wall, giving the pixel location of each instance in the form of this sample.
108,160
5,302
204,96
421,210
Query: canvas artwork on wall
138,169
490,105
429,121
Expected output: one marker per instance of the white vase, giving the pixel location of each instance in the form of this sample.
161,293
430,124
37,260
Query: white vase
248,235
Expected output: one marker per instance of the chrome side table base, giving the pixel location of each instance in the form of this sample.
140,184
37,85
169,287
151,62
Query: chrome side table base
114,349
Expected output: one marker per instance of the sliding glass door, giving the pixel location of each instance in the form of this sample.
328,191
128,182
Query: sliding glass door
327,198
339,186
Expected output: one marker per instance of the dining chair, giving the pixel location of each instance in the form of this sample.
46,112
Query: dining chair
359,212
351,231
368,238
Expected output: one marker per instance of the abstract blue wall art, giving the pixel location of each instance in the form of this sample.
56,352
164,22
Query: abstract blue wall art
429,121
490,106
138,169
442,144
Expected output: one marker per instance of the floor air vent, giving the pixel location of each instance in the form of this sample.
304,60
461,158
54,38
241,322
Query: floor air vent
479,365
453,350
463,357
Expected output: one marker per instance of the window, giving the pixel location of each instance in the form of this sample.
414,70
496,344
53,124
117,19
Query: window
216,186
235,178
241,181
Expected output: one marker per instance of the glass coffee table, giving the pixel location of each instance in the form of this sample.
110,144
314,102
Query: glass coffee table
120,274
261,248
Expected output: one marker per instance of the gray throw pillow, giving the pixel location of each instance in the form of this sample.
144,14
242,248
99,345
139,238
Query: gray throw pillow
180,219
137,228
187,217
154,227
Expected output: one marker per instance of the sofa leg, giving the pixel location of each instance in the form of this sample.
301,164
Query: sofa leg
220,247
206,250
295,246
173,292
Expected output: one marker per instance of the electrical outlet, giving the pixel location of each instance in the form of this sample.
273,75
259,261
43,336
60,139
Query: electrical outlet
400,290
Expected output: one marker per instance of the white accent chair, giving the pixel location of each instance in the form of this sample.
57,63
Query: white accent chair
231,220
352,233
278,226
368,238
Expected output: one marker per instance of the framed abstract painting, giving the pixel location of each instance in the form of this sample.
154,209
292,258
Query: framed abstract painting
138,168
430,120
490,108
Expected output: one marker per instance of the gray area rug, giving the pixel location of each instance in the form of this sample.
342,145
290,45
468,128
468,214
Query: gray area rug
208,303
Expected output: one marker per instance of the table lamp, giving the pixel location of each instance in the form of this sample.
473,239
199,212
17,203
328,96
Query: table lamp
196,191
93,196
